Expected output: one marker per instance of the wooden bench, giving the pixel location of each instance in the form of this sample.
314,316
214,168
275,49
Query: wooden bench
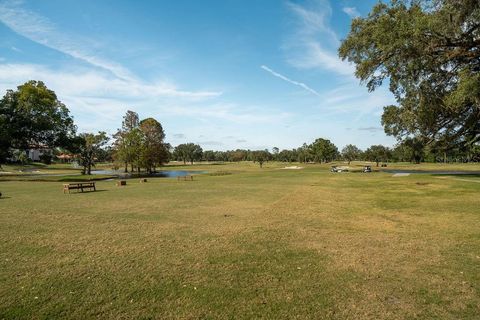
185,178
82,186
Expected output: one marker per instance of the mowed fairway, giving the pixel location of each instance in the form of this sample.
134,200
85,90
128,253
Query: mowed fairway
257,243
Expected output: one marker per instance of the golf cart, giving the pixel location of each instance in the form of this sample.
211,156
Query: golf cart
338,169
367,169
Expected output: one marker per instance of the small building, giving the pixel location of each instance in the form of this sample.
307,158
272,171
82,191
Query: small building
63,157
35,154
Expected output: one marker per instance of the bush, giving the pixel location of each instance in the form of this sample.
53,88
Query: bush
46,158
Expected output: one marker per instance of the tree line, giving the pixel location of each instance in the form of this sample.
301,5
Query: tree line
33,117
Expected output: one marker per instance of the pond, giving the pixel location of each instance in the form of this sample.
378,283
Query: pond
162,174
441,172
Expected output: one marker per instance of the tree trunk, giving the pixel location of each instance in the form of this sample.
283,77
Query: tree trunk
126,167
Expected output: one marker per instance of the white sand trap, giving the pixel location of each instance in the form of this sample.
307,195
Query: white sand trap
401,175
293,168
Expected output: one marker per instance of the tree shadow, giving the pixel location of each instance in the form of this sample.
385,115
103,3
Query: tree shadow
460,175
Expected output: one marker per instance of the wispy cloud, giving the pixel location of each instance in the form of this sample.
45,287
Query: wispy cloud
92,83
313,43
210,143
227,111
179,136
42,31
351,11
300,84
371,129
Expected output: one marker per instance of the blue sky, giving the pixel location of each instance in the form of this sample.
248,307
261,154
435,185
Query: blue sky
225,74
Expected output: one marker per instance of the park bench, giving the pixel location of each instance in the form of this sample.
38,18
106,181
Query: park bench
185,178
82,186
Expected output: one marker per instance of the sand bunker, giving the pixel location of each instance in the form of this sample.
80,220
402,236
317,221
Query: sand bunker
293,168
401,175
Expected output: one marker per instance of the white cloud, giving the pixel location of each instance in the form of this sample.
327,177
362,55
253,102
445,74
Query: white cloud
40,30
351,11
300,84
92,83
97,100
313,44
227,111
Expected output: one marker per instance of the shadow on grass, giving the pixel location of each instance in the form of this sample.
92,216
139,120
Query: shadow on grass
86,192
460,175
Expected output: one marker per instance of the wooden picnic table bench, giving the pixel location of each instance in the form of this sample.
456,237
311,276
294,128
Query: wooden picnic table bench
82,186
185,178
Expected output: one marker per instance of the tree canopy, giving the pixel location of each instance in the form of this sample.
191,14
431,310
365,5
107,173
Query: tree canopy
377,153
154,151
323,150
188,152
351,152
140,143
428,52
90,147
32,116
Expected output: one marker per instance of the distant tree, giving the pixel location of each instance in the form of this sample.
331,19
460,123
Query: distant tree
90,147
323,150
221,156
351,152
33,117
188,151
377,154
275,152
128,141
209,155
261,157
412,149
305,153
154,152
237,155
287,156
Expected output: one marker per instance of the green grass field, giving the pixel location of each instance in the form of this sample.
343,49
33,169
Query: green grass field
246,243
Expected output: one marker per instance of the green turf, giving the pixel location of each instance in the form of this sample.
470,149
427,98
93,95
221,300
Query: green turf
244,242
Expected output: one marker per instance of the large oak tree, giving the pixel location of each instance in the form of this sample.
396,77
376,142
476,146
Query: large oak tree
429,53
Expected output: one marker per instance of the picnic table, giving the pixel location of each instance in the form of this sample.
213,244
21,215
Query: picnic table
185,178
82,186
